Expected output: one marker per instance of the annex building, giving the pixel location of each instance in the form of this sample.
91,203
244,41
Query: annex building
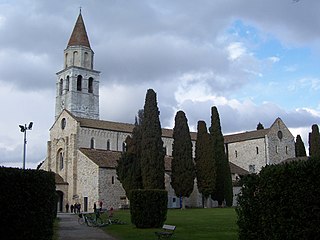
83,150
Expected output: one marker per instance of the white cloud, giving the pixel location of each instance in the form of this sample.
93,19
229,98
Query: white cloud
235,50
274,59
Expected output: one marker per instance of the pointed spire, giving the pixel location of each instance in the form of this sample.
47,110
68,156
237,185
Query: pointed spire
79,34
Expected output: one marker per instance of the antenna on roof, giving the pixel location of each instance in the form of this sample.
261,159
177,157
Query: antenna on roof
80,9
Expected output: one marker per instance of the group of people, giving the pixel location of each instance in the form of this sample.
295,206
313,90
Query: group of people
74,208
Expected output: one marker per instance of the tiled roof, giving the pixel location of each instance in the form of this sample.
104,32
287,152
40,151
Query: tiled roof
79,34
238,137
234,169
127,128
288,160
117,126
108,159
103,158
59,180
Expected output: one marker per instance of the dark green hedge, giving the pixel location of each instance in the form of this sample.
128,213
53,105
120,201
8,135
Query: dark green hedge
27,204
148,208
282,202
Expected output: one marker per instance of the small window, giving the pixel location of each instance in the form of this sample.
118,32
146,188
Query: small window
67,83
252,168
61,160
174,199
90,85
63,123
236,153
108,144
165,150
112,180
92,143
257,150
286,149
60,87
124,147
280,135
79,83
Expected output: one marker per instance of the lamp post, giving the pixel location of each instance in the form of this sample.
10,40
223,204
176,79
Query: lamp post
24,130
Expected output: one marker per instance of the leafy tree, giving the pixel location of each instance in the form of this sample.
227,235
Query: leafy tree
299,146
260,126
128,168
314,142
182,167
152,154
205,164
224,189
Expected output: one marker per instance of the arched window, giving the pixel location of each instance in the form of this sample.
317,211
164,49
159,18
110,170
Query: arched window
66,60
60,158
90,85
67,83
92,143
112,180
75,54
257,150
108,144
165,150
124,147
79,83
60,87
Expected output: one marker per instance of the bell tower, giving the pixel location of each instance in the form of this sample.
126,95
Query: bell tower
77,85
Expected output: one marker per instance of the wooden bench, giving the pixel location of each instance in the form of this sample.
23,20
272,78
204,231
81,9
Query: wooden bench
167,231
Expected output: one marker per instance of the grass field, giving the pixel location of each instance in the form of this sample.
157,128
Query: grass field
213,223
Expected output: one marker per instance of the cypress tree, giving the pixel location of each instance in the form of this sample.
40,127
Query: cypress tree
224,189
260,126
314,142
182,167
205,165
152,154
128,168
299,146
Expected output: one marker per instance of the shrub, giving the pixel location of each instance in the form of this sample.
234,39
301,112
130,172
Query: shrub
148,207
27,203
282,202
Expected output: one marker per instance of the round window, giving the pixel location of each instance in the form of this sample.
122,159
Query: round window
280,135
63,123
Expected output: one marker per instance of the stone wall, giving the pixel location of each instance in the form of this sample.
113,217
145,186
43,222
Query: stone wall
88,181
246,153
111,192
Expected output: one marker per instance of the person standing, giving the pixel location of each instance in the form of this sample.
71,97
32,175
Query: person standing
100,205
95,207
67,207
71,208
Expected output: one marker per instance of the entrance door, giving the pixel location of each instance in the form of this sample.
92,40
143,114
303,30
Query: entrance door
59,201
85,203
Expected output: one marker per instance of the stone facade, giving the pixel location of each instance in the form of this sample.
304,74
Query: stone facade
254,150
83,151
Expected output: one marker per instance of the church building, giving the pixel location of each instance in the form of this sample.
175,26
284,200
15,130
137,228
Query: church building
83,150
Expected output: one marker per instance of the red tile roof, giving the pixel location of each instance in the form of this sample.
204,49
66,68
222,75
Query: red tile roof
79,34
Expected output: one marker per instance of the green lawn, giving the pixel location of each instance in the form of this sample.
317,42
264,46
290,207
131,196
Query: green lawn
213,223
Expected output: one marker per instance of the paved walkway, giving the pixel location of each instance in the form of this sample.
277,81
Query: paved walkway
70,229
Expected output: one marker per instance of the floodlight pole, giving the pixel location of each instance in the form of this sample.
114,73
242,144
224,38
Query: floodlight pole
24,146
24,130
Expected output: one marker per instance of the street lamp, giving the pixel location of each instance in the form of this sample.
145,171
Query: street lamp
24,130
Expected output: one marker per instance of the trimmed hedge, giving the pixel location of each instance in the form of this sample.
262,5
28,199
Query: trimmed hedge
282,202
148,207
28,202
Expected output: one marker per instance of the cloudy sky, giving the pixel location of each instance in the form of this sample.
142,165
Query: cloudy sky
256,60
